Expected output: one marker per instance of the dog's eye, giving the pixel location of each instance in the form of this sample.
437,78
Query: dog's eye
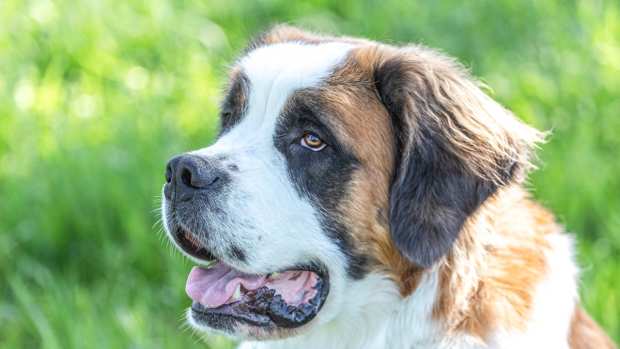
311,141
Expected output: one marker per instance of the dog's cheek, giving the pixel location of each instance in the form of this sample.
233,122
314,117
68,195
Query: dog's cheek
325,187
266,217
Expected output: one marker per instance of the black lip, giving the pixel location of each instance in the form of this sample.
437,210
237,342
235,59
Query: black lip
263,308
200,252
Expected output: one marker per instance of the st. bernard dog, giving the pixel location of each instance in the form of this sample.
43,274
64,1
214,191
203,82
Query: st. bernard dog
362,195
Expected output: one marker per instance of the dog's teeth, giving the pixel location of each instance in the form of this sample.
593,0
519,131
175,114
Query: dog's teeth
237,294
274,275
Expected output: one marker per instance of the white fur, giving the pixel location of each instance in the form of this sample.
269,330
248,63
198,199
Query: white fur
278,228
265,216
378,318
554,302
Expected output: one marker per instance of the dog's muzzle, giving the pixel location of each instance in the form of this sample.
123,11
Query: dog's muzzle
222,295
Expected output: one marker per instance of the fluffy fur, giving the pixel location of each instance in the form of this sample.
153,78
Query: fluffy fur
419,216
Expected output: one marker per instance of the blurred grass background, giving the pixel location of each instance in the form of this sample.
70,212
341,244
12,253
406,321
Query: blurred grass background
96,95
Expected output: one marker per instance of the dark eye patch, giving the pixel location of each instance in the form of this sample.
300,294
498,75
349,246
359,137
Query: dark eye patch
321,177
235,102
303,113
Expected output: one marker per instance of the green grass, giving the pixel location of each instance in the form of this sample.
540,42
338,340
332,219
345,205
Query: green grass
96,95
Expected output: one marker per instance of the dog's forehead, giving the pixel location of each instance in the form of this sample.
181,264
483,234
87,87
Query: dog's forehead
276,71
292,65
272,74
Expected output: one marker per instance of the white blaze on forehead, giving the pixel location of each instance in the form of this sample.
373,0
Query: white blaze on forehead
289,66
274,72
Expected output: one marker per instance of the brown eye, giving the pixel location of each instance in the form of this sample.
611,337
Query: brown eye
312,141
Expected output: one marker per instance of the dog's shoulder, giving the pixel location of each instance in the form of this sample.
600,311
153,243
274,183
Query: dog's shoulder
586,334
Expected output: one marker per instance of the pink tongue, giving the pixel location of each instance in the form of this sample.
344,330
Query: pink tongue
214,286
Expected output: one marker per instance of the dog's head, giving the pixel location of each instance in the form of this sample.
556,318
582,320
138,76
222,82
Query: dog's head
339,160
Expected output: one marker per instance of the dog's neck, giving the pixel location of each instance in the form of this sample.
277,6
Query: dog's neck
409,323
515,291
388,322
369,320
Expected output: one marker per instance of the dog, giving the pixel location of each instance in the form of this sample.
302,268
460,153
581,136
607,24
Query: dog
363,195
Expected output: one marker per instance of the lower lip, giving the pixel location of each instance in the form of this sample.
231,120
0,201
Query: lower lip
189,246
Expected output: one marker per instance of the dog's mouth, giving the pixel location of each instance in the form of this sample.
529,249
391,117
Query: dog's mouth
191,245
286,299
223,296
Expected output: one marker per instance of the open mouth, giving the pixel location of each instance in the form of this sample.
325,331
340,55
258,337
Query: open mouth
223,296
285,299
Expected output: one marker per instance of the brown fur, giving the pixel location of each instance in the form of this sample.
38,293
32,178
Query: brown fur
236,100
501,296
362,124
488,278
586,334
499,291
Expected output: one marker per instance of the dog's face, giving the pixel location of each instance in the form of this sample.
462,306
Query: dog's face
338,159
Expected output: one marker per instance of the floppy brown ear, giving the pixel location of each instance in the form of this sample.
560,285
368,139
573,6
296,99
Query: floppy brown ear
455,148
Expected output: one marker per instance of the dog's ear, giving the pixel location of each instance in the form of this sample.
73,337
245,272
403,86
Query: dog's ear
455,148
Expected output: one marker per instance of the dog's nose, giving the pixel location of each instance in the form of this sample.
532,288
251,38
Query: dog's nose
186,174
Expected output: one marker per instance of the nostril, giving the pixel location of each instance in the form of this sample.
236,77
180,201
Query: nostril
186,177
187,173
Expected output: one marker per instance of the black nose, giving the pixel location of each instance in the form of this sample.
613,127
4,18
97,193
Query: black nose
186,174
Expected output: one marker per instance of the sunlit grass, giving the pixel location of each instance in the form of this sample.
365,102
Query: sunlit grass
96,95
